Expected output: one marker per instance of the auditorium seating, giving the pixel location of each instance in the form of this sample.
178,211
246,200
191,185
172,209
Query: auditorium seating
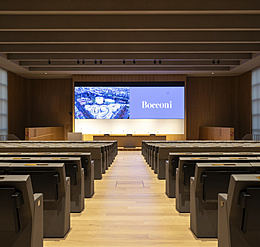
173,162
238,212
157,157
86,162
21,212
44,162
209,180
73,170
102,153
88,166
186,170
226,158
171,166
50,180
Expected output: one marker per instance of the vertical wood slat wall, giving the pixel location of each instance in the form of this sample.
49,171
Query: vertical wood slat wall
38,103
50,103
219,102
210,101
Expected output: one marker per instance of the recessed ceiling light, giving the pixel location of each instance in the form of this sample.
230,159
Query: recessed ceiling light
212,73
45,73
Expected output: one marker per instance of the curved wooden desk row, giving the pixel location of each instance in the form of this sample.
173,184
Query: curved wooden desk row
133,140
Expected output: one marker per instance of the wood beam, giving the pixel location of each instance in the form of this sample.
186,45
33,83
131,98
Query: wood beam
143,48
172,56
132,22
120,5
129,36
85,69
105,63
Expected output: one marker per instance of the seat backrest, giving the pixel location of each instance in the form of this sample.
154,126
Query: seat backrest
215,182
11,202
72,166
44,179
187,166
16,210
249,200
45,182
213,178
243,205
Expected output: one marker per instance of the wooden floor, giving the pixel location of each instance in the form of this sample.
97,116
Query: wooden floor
130,208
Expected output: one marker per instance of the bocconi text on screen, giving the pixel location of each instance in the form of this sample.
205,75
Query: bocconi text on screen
147,105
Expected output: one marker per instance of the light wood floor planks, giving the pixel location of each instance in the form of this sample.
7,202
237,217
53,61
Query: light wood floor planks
130,208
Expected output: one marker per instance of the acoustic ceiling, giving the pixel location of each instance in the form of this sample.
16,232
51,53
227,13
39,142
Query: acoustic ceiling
67,37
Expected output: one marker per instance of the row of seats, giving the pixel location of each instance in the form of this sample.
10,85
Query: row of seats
178,179
59,181
156,153
103,152
79,168
221,190
209,180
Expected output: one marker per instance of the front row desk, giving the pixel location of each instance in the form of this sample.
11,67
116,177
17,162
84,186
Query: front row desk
39,191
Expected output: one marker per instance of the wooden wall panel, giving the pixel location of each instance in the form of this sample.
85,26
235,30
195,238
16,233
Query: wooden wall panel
50,102
128,78
209,103
17,105
218,102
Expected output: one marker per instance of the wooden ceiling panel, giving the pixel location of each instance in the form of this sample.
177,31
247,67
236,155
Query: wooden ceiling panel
129,36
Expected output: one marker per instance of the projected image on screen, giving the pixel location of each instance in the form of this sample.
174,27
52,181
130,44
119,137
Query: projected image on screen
102,102
129,102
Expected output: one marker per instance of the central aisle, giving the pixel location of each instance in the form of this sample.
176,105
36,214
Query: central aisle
130,208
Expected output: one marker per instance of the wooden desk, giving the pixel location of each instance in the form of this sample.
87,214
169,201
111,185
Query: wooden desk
216,133
129,140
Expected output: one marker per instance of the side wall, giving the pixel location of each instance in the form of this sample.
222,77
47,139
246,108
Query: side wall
50,103
38,103
219,102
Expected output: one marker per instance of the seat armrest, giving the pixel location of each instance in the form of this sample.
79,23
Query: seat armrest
223,196
38,197
193,215
67,204
37,226
67,186
223,229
